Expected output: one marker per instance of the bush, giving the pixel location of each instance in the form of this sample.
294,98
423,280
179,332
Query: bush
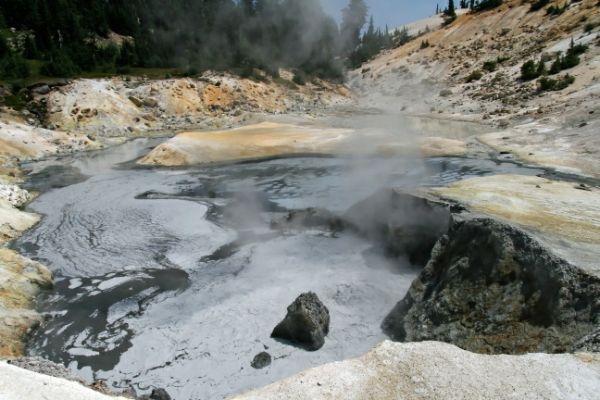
14,66
490,66
59,65
473,76
556,65
549,84
425,44
538,5
487,5
557,10
590,26
529,70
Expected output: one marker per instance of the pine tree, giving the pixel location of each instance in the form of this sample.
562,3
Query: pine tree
451,11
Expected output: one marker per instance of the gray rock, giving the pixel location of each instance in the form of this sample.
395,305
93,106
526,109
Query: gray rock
159,394
42,90
306,323
491,288
261,360
138,103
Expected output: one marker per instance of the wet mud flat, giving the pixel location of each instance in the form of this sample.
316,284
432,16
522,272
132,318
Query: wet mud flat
175,278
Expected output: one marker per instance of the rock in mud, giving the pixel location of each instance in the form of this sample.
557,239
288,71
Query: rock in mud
404,224
157,394
491,288
309,218
306,323
261,360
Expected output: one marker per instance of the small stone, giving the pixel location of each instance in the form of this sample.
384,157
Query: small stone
261,360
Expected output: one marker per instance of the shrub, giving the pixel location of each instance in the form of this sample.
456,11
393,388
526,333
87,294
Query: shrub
59,65
487,5
490,66
14,66
590,26
425,44
556,65
549,84
557,10
531,70
538,5
473,76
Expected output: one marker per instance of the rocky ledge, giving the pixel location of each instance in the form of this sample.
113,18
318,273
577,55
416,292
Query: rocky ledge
491,288
431,370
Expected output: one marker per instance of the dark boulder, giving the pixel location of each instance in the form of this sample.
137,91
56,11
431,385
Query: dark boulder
261,360
306,323
491,288
159,394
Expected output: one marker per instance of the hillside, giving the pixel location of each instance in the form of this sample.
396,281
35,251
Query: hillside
443,79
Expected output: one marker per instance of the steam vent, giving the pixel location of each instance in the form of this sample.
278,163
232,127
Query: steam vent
299,199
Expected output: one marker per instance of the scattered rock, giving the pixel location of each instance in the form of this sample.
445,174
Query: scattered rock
136,101
261,360
446,93
306,323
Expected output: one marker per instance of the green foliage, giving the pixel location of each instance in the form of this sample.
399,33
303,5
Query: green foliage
530,70
372,42
549,84
538,5
14,66
424,44
474,76
556,65
60,65
557,10
483,5
590,26
490,66
70,36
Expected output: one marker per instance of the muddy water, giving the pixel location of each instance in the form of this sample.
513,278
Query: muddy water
175,278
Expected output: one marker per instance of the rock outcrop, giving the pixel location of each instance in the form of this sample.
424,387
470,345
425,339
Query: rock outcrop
306,323
257,141
21,280
431,370
491,288
121,107
561,214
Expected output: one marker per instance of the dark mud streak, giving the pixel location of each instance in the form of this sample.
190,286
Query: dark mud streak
73,311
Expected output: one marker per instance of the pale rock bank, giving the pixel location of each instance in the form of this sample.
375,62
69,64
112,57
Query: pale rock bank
563,215
20,384
432,370
130,106
262,140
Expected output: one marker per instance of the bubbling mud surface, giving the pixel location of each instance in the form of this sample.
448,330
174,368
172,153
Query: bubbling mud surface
175,278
